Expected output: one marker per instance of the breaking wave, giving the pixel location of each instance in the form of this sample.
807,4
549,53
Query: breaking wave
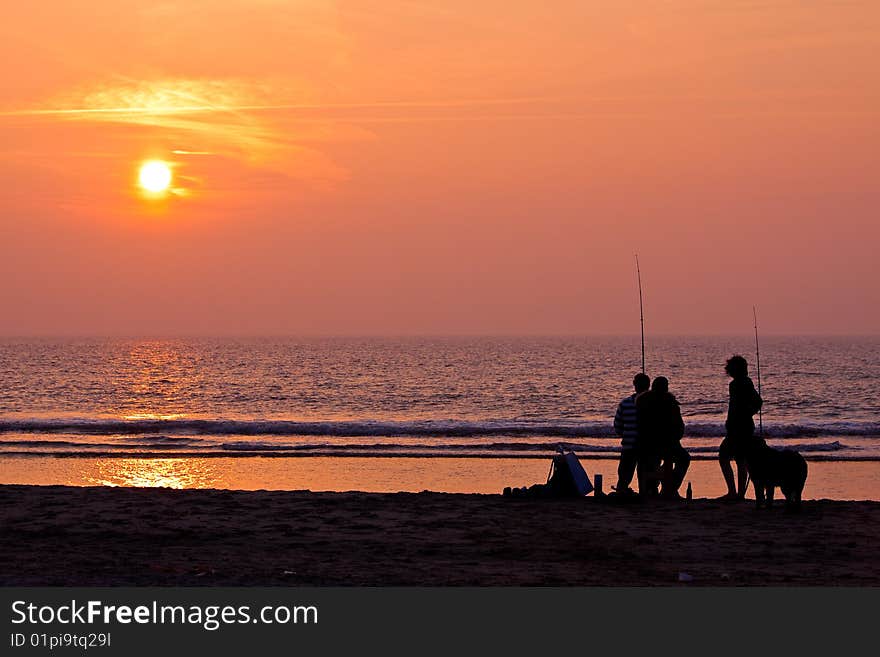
168,430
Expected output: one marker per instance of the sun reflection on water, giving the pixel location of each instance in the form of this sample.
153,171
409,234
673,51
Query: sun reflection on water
153,416
154,379
156,473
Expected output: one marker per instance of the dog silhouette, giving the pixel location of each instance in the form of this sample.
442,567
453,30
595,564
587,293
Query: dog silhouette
769,468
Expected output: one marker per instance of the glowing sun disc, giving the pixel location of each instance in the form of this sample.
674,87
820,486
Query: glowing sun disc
155,176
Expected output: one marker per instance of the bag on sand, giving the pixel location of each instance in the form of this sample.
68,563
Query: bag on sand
567,478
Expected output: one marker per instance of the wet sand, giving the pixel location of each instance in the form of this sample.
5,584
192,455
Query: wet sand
839,480
57,535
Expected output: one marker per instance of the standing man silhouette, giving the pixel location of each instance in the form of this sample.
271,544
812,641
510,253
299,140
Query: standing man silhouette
740,427
626,426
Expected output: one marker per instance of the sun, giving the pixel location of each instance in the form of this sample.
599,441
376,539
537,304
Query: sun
155,176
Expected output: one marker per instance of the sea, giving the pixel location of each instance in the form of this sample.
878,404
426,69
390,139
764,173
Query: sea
412,397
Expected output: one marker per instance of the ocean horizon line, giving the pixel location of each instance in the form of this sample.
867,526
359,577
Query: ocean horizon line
420,335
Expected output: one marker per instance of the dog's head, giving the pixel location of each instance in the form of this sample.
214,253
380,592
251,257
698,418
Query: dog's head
755,449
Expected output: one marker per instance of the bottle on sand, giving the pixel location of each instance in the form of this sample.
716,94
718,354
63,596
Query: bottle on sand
690,493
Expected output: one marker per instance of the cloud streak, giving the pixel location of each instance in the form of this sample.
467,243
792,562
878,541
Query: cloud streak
208,108
238,119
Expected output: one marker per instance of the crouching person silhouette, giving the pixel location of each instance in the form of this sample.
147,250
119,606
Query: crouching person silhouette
661,429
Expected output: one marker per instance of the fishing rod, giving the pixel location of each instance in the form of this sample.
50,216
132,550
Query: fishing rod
641,311
758,363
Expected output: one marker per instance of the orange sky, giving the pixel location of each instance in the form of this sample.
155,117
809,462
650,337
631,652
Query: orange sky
420,167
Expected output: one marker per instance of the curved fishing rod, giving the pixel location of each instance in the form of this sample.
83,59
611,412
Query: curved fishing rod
641,311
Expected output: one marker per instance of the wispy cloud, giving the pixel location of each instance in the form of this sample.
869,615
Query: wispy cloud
163,103
244,119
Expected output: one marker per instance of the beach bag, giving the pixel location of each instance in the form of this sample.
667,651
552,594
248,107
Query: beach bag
567,476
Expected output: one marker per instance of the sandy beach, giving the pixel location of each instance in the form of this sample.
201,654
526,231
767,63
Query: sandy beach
56,535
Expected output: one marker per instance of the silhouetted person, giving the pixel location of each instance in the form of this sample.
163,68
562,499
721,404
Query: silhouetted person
660,431
626,426
664,429
740,426
648,445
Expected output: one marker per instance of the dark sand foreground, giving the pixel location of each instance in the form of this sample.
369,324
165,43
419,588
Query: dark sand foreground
128,536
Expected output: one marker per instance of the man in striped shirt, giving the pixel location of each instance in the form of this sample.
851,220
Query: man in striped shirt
626,426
